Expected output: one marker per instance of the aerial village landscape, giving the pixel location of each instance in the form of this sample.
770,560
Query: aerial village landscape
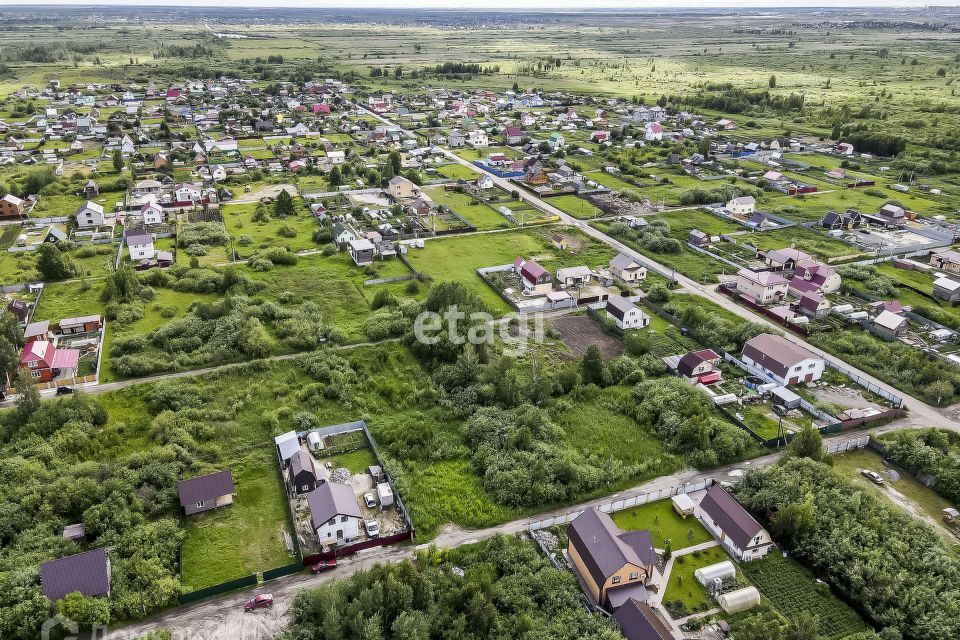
396,323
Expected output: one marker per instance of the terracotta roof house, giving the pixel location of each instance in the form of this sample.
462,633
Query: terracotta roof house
638,621
733,526
204,493
612,565
782,360
87,572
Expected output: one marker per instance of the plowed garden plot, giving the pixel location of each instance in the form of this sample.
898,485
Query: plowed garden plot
579,332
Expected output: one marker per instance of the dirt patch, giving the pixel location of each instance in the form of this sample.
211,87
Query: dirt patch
269,191
846,397
612,203
579,332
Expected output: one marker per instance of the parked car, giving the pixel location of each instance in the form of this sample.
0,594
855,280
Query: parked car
372,527
323,565
370,500
262,601
64,391
872,476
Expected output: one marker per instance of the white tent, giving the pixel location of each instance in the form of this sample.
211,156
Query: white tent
723,570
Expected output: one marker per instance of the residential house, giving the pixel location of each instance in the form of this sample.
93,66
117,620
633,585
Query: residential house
627,269
742,206
888,325
89,215
302,474
948,260
421,206
334,513
782,360
400,188
478,138
763,287
12,207
574,276
698,238
612,565
535,278
140,245
638,621
341,234
457,139
823,277
20,310
187,193
45,362
82,324
947,289
784,259
287,444
484,182
556,140
513,135
893,212
87,573
814,305
738,531
362,251
152,213
626,314
834,221
726,125
204,493
653,132
91,190
700,366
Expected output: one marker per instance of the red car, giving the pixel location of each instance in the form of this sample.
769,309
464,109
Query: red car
323,565
264,600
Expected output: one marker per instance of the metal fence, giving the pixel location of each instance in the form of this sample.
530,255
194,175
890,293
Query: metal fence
847,445
624,503
217,589
894,399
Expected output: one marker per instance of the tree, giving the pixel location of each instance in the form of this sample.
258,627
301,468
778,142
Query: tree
83,610
773,82
938,390
808,443
122,286
52,264
260,213
117,160
28,396
283,206
593,370
334,177
803,626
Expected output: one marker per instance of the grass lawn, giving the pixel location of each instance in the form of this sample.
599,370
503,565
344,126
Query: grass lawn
456,172
236,217
480,215
68,300
683,588
357,461
243,538
576,207
792,589
664,524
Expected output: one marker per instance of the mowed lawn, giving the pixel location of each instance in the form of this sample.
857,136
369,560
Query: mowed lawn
683,587
663,523
575,206
243,538
479,214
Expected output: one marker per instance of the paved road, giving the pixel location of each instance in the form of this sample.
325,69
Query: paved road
921,411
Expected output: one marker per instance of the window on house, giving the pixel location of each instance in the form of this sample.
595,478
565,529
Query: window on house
339,534
634,575
200,504
35,374
616,579
812,365
343,518
332,520
797,368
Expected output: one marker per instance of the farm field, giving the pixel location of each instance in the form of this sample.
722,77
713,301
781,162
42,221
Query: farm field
792,589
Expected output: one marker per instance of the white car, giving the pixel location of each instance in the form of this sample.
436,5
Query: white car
872,476
372,527
370,500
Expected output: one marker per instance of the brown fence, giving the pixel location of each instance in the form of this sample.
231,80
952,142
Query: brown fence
351,549
889,414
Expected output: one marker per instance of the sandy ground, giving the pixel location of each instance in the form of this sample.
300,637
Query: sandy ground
848,397
270,191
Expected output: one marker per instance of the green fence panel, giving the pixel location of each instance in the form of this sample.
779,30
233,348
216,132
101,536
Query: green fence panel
270,574
217,589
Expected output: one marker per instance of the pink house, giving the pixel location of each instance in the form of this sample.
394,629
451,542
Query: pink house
45,362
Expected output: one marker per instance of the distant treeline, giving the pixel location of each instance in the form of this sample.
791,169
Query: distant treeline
470,68
724,97
47,54
875,142
177,51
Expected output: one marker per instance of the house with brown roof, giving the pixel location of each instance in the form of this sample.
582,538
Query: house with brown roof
87,573
612,565
738,531
638,621
700,366
204,493
782,360
302,474
535,278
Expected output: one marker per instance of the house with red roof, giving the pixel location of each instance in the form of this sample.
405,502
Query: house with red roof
535,278
46,362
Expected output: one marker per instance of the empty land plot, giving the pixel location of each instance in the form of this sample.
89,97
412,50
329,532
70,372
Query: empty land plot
580,332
